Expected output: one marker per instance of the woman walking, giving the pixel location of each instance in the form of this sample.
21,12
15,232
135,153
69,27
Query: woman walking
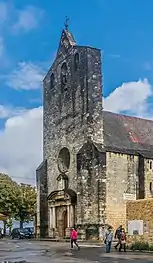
74,237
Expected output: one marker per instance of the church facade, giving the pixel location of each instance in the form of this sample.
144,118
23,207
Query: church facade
93,160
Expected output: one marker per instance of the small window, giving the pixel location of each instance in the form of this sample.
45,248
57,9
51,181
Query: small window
150,186
52,81
64,77
150,165
76,61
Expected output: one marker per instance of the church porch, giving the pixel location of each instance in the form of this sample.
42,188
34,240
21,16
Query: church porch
61,205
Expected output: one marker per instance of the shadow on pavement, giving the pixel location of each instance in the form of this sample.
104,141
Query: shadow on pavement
99,255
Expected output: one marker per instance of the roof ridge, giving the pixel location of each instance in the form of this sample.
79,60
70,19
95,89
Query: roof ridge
127,116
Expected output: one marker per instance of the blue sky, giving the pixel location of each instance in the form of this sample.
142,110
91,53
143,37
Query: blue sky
29,35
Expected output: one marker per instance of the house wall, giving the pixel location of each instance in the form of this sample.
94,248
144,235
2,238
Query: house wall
141,210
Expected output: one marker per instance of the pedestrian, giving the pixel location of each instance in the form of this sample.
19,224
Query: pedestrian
108,239
117,235
74,237
2,232
122,240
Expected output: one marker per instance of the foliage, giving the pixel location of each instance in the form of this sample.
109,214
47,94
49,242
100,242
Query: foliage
151,248
141,246
8,195
9,223
26,202
17,200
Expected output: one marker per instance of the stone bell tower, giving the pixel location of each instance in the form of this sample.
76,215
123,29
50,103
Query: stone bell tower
72,104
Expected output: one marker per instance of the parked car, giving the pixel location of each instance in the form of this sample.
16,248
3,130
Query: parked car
31,230
20,233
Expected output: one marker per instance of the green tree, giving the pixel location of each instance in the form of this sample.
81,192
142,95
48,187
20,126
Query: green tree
17,200
9,191
26,203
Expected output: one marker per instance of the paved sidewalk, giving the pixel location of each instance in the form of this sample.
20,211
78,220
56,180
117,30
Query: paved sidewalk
49,252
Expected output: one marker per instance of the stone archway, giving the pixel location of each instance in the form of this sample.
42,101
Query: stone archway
62,212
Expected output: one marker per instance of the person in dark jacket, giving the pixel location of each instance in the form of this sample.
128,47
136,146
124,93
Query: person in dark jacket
117,235
122,241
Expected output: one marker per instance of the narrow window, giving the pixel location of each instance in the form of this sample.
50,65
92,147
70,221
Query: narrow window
150,187
64,77
150,165
52,81
76,61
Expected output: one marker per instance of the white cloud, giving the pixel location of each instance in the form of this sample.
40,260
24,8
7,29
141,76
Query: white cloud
27,76
21,145
131,97
28,18
9,111
4,112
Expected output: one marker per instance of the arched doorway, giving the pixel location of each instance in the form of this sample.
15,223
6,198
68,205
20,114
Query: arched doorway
64,218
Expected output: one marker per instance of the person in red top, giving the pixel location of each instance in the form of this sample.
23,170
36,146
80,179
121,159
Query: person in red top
74,237
122,240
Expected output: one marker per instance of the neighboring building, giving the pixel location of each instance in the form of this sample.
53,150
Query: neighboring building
3,217
93,160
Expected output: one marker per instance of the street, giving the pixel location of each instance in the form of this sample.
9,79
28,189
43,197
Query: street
45,252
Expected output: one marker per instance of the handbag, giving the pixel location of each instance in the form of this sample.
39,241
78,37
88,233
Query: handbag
123,242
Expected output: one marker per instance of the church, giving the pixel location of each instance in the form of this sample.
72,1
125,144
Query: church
93,160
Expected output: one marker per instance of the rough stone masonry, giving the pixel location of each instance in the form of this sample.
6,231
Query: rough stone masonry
93,161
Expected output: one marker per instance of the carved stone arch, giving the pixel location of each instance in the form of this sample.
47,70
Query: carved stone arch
67,194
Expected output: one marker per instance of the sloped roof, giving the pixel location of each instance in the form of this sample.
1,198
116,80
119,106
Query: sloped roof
128,133
66,41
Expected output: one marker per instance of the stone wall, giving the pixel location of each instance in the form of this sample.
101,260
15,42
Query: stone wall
121,173
42,202
91,181
141,210
72,116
